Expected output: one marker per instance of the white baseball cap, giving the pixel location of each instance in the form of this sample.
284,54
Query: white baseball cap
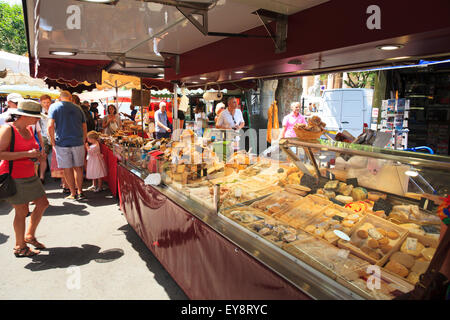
14,97
219,106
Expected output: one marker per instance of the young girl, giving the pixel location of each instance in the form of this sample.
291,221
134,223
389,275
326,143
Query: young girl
96,168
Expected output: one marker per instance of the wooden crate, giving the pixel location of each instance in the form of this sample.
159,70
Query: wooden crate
324,257
428,242
321,217
378,223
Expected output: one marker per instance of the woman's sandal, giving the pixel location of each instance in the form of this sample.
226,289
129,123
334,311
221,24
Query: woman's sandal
25,252
35,243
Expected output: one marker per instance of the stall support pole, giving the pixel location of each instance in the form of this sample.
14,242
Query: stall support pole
142,107
175,111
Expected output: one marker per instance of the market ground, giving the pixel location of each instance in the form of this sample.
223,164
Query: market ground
93,253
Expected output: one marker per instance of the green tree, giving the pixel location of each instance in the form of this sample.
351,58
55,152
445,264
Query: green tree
361,79
12,29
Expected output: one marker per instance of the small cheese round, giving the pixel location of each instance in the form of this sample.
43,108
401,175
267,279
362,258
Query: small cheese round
382,231
384,241
362,234
393,235
397,268
386,248
372,243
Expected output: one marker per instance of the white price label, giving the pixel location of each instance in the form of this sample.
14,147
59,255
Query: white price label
411,244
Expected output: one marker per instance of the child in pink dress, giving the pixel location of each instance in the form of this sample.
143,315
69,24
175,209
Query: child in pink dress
96,167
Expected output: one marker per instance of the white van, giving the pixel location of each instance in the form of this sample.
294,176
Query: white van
346,109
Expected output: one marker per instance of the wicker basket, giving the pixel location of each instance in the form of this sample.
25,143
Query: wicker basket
306,135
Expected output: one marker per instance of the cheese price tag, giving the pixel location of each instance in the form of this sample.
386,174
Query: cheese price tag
353,182
383,205
411,244
330,175
426,204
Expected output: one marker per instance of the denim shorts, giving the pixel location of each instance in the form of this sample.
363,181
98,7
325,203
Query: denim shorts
70,157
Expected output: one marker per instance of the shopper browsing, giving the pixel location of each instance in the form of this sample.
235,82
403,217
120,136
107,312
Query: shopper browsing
111,123
291,120
162,129
96,167
67,131
231,118
12,100
29,187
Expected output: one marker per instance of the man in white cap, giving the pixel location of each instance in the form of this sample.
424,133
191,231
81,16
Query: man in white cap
12,99
162,122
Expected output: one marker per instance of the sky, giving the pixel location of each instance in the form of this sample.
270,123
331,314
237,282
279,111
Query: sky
12,1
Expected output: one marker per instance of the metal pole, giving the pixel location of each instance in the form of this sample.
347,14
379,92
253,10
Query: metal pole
142,107
176,122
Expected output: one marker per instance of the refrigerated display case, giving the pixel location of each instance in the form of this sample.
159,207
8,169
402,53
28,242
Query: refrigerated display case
333,220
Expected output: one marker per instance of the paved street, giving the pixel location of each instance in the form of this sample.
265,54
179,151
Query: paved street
92,254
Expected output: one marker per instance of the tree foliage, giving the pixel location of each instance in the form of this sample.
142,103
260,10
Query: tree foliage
12,29
361,79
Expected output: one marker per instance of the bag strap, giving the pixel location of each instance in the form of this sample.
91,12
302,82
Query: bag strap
11,148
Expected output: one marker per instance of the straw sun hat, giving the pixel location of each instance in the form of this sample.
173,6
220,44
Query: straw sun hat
28,108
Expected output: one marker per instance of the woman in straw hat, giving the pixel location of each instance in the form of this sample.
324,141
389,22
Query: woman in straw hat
28,185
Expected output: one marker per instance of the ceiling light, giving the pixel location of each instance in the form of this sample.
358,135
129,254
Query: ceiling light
399,58
101,1
411,173
203,78
195,82
389,47
63,52
239,72
161,75
295,61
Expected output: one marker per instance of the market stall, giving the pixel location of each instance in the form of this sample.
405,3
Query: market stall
313,223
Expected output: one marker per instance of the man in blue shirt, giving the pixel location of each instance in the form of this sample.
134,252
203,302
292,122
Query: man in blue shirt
162,129
67,130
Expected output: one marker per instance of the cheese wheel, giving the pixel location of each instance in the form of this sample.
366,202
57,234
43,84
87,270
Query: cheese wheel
359,194
383,241
414,253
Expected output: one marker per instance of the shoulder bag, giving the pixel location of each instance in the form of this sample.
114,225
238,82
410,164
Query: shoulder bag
7,184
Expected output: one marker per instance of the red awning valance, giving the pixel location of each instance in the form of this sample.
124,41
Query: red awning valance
71,86
69,70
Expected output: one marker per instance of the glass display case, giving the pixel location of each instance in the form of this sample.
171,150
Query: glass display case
364,217
360,220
